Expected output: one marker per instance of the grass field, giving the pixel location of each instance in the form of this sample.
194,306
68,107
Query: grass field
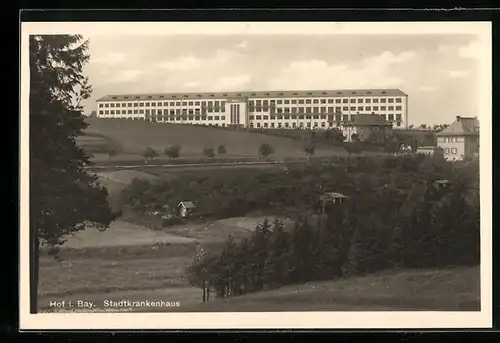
132,137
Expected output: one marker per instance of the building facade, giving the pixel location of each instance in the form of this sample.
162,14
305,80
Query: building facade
367,127
460,140
273,109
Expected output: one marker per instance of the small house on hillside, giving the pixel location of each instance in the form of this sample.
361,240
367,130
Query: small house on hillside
331,198
185,208
367,127
460,139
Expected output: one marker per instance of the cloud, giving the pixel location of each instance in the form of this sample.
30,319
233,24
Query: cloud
192,84
189,62
109,59
314,74
427,88
232,82
128,75
470,50
242,45
457,74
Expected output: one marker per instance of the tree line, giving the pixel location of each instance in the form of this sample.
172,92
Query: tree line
426,224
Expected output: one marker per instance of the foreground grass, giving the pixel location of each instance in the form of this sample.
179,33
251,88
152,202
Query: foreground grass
425,290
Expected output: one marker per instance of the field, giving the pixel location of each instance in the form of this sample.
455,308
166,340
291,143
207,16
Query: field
131,137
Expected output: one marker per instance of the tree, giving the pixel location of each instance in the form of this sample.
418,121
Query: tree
355,137
221,150
149,153
111,152
173,151
309,150
338,135
208,153
64,197
266,150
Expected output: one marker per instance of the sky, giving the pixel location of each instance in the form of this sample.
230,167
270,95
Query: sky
439,72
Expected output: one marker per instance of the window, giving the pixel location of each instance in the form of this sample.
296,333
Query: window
446,150
398,116
178,103
190,103
398,108
391,117
106,105
112,111
398,100
315,109
337,109
345,101
323,101
360,101
398,123
287,102
345,117
112,105
216,117
153,104
368,108
294,101
391,108
391,100
368,101
375,108
315,101
251,117
382,108
353,101
375,101
360,108
353,108
100,105
345,108
301,101
308,101
338,101
294,109
129,111
382,101
308,110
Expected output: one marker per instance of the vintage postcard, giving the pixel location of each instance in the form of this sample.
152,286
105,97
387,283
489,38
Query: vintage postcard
255,175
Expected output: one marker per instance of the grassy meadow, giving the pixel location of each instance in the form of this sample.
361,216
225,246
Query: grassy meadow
130,137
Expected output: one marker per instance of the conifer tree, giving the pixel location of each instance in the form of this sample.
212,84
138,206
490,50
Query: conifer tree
64,197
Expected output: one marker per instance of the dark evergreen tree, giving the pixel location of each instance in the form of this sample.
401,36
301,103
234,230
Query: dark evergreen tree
64,197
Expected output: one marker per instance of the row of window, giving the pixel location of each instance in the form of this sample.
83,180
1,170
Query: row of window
450,150
338,117
324,101
294,125
164,104
161,112
184,118
324,109
220,103
450,139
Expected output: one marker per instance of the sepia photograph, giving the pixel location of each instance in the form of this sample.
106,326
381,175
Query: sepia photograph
255,175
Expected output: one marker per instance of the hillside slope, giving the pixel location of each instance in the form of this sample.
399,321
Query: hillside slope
132,137
416,290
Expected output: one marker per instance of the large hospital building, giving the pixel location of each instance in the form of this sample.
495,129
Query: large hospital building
266,109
